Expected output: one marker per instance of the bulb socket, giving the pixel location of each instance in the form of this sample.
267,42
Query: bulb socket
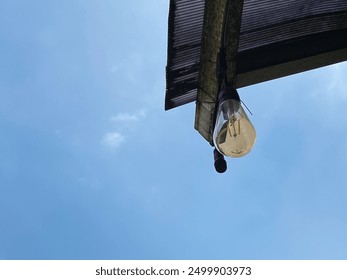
228,93
219,162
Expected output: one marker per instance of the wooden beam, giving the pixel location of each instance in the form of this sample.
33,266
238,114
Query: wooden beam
233,26
208,84
215,12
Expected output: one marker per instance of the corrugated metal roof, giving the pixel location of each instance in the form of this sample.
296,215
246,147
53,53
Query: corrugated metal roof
273,32
184,44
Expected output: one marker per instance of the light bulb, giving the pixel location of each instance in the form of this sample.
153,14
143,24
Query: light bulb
234,134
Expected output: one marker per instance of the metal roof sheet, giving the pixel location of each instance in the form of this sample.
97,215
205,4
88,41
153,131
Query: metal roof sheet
273,33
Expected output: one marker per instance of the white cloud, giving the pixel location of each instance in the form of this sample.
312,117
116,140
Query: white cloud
126,117
112,140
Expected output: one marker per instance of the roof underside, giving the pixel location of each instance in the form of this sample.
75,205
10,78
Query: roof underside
277,38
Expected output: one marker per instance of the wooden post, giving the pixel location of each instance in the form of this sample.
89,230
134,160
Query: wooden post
215,12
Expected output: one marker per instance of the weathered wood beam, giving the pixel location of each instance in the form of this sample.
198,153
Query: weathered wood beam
290,68
233,26
208,82
215,12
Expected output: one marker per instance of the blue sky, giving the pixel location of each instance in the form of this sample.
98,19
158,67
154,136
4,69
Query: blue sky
92,167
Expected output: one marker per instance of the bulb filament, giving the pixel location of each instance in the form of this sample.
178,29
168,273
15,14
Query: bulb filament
232,122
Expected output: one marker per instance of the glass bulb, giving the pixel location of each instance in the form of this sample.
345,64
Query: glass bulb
234,134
